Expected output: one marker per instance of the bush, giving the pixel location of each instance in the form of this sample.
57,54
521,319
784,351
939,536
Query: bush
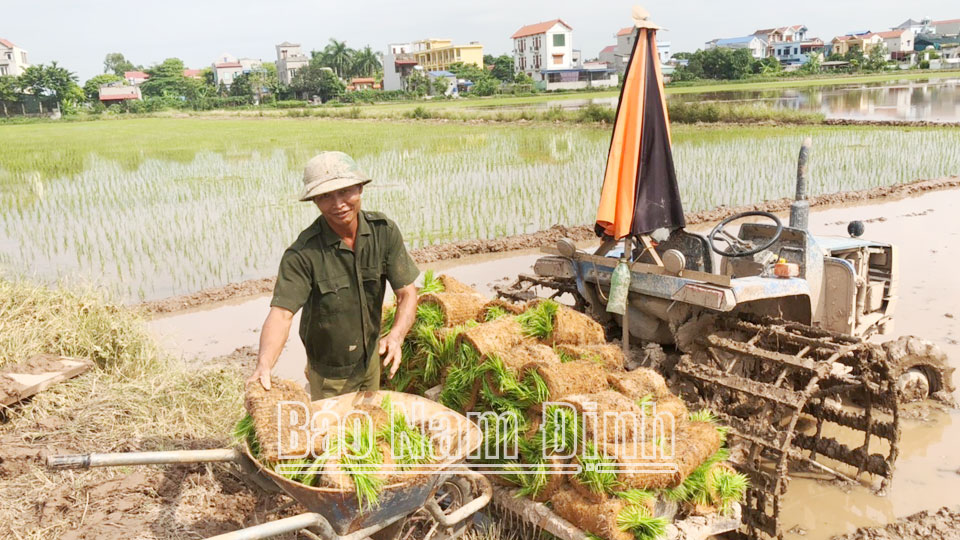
420,113
924,64
291,104
597,113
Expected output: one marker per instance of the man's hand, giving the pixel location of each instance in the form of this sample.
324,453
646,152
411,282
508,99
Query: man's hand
390,352
262,374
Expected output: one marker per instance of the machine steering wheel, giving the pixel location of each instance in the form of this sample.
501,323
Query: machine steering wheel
735,246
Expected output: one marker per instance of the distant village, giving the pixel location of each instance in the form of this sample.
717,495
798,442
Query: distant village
544,56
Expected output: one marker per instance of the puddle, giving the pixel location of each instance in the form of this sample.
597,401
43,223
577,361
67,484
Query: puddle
925,231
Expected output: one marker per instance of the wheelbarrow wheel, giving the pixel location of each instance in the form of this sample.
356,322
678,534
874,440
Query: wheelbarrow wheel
420,525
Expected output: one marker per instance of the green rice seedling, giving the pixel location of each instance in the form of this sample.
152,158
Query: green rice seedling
645,403
431,283
245,430
562,430
596,474
462,373
694,487
706,415
564,355
637,496
537,321
495,312
537,387
727,488
361,457
429,316
637,520
410,446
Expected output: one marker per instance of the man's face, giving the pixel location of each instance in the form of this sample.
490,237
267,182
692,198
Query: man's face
340,207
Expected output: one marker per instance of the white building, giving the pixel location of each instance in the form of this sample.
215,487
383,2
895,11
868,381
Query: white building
755,44
13,59
544,51
545,46
290,59
228,67
899,43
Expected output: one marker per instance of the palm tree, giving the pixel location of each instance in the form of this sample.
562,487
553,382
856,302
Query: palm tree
337,56
366,62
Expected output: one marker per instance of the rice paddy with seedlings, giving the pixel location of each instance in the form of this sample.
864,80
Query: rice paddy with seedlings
149,208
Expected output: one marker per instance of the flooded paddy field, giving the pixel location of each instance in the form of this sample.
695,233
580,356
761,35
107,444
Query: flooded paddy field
923,228
151,208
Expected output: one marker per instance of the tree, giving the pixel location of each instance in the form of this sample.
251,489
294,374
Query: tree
812,65
489,59
503,68
365,63
91,88
166,80
317,80
115,63
337,56
485,86
440,86
242,85
54,82
9,91
877,58
418,83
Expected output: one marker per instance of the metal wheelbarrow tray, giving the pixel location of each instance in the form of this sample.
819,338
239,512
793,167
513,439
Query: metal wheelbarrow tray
334,512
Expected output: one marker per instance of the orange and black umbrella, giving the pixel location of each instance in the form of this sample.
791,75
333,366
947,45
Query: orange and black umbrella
640,191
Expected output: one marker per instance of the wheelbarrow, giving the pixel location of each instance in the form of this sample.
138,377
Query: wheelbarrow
335,514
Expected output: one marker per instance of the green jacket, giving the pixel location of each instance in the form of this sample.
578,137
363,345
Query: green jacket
341,290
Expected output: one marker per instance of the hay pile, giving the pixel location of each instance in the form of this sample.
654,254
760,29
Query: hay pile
373,447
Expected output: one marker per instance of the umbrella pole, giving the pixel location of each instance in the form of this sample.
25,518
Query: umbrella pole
625,338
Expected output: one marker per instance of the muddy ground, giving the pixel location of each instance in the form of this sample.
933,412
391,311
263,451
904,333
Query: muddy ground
943,523
457,250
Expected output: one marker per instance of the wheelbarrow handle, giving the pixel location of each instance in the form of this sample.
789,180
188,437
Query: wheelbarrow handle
467,510
85,461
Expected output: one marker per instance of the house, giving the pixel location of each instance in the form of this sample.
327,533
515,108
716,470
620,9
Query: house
439,54
899,43
543,47
544,51
363,83
919,27
607,55
117,93
290,59
865,41
625,38
753,43
13,59
949,27
193,73
227,67
135,78
398,64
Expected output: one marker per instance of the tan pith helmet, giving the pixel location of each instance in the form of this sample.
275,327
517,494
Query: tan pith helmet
330,171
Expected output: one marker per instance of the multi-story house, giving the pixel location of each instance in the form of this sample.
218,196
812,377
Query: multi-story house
227,68
625,38
755,44
899,43
545,46
13,59
135,78
544,51
289,60
439,54
949,27
398,64
865,41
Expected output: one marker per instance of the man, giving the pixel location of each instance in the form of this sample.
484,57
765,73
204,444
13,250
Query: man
336,271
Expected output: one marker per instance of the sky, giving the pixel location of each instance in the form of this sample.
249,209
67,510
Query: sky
79,34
